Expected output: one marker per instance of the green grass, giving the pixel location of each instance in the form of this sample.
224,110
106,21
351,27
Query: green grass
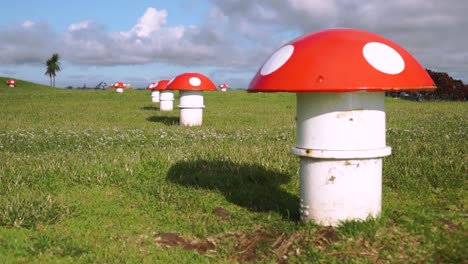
96,176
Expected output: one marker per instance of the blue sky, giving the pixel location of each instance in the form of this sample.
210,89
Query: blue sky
119,15
228,40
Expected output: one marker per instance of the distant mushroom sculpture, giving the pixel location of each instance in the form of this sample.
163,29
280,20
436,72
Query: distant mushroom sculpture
191,86
340,77
119,87
154,93
166,97
223,87
11,83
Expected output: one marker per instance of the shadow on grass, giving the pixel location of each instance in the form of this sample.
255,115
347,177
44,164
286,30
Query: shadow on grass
247,185
167,120
150,108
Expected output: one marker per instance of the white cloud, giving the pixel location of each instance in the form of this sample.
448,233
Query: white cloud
150,22
237,36
28,24
150,40
315,8
79,26
429,29
26,43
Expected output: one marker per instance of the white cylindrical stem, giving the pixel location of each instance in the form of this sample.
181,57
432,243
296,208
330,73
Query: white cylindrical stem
119,90
333,191
191,108
341,121
12,85
166,98
223,89
155,96
341,142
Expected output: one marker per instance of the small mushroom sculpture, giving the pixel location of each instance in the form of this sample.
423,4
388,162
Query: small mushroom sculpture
166,97
119,87
154,93
11,83
191,86
223,87
340,77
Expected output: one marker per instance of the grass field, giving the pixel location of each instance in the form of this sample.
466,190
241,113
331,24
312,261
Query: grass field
96,176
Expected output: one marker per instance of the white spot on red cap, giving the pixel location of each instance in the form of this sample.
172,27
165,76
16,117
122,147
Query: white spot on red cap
278,59
383,58
194,81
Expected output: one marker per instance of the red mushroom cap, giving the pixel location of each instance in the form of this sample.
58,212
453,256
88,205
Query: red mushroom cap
223,86
151,86
191,81
160,85
119,85
341,60
11,82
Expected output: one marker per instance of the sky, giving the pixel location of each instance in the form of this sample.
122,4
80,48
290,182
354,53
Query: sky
142,41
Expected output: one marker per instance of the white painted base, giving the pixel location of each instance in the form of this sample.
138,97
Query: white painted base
337,190
155,96
340,141
119,90
191,108
166,106
191,116
166,99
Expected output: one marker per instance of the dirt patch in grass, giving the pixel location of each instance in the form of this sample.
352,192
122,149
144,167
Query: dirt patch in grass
326,236
171,240
222,214
449,225
253,246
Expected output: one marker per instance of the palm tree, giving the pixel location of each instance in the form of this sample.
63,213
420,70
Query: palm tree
49,70
53,66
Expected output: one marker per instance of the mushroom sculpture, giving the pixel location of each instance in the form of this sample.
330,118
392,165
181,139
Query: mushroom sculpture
119,87
154,93
11,83
340,77
223,87
191,86
166,97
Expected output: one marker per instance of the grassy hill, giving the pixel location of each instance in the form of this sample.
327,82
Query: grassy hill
96,176
25,85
